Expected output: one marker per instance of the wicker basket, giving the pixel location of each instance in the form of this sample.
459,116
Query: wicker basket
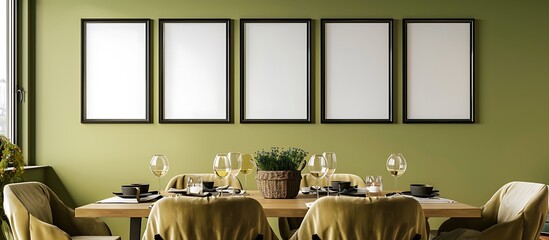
278,184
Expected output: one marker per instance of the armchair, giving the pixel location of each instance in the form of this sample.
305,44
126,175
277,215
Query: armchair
517,211
35,212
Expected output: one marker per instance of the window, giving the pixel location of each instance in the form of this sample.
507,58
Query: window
8,81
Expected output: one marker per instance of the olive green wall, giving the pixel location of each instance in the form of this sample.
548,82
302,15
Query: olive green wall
467,162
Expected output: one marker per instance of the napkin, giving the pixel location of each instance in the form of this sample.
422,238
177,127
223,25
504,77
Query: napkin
177,190
432,200
309,204
184,190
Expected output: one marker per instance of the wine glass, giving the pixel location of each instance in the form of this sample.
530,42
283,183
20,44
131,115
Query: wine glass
332,165
396,165
247,168
317,168
236,164
221,168
159,166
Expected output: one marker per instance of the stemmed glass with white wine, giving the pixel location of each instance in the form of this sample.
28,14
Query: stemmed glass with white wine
318,167
247,168
396,165
331,161
236,164
222,169
159,166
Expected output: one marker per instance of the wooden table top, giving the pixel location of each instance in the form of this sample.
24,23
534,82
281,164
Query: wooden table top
272,207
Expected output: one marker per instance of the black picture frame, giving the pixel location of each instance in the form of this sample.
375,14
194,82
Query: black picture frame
359,75
441,74
112,90
192,59
271,40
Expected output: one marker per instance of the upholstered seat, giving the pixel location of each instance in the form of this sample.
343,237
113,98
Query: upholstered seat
189,218
180,181
35,212
517,211
395,218
288,226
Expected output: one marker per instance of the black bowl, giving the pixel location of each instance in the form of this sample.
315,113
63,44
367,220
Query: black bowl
336,185
131,189
421,189
208,184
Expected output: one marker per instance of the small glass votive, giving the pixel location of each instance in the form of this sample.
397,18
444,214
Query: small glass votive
194,185
374,185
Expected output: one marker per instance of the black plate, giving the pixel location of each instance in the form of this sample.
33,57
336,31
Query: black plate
209,189
184,191
352,188
205,194
353,193
334,190
322,191
133,196
434,194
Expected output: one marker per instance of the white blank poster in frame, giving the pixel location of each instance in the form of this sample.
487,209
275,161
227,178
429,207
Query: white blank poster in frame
194,70
115,71
356,70
275,70
438,70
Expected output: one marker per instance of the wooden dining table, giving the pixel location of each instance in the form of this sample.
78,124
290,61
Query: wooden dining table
273,208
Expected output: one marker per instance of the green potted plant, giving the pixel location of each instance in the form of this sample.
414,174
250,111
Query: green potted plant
11,171
279,171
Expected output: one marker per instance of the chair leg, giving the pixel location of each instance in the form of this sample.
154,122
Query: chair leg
427,227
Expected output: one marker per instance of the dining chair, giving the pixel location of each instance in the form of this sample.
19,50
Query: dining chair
180,181
212,218
35,212
517,211
372,218
287,226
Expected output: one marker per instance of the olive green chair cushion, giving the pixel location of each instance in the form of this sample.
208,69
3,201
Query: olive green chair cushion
517,211
288,226
180,181
190,218
346,218
35,212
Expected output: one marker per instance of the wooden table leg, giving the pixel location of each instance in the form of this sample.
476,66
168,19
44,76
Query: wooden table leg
135,228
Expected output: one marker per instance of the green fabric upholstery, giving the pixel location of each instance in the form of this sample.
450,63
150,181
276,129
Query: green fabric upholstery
35,212
190,218
517,211
288,226
346,218
180,181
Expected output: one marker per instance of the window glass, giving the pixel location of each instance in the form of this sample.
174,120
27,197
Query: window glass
7,77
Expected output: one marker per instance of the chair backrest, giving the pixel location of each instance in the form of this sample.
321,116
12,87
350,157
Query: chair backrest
22,199
395,218
208,218
180,181
307,180
33,202
35,212
521,200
